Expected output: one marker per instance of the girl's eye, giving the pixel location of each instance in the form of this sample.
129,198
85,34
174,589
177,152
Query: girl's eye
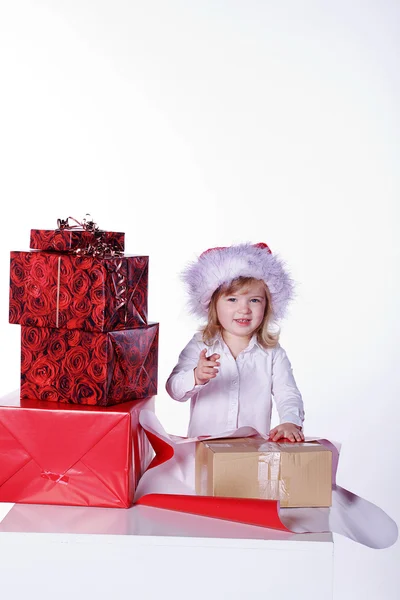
231,299
255,300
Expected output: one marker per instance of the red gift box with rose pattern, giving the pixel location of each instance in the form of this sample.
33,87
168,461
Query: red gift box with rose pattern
66,240
68,454
84,367
70,291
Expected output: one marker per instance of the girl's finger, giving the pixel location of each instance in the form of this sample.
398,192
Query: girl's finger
210,372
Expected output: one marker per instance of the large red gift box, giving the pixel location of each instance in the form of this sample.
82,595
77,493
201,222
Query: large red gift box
77,291
66,240
68,454
89,368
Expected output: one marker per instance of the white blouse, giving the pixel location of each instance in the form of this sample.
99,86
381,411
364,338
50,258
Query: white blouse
241,393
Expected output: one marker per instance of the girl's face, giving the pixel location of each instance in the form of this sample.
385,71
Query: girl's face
241,313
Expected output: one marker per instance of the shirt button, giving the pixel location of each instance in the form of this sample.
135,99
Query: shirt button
234,381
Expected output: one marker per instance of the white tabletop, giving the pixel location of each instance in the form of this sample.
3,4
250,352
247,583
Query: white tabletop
66,551
137,521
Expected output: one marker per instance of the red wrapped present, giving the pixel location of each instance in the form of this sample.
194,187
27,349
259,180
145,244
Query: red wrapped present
89,368
77,291
67,240
68,454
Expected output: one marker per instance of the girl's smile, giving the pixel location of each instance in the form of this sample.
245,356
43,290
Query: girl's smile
243,322
240,314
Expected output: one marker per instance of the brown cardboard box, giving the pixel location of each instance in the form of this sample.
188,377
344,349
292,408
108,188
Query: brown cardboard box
295,474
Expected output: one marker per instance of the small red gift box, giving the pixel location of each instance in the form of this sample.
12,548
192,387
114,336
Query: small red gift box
68,454
89,368
78,292
67,240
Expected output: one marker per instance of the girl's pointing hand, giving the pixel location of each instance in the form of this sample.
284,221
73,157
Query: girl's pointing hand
206,368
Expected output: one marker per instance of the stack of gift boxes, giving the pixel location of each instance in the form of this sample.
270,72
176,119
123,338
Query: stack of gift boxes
88,366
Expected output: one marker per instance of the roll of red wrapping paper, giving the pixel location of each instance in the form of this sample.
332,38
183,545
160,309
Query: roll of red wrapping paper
264,513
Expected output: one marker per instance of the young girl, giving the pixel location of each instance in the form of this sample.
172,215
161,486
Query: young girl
234,365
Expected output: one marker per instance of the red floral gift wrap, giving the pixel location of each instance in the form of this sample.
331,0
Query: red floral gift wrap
89,368
74,455
69,291
65,240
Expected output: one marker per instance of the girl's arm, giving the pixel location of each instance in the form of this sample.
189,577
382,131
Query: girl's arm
287,397
181,383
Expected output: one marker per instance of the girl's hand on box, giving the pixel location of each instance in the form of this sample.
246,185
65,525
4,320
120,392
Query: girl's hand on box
289,431
206,368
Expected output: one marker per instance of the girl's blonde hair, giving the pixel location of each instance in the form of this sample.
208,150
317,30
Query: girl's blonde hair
265,336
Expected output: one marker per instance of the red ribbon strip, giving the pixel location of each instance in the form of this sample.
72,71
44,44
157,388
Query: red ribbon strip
56,477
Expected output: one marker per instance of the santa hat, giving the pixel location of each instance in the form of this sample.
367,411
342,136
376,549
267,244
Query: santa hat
220,266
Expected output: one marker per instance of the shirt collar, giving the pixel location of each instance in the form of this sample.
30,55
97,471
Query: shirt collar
219,342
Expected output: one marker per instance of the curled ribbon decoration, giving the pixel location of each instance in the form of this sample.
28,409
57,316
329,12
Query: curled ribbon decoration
99,248
86,224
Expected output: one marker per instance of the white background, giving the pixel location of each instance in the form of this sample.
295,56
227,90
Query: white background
202,123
